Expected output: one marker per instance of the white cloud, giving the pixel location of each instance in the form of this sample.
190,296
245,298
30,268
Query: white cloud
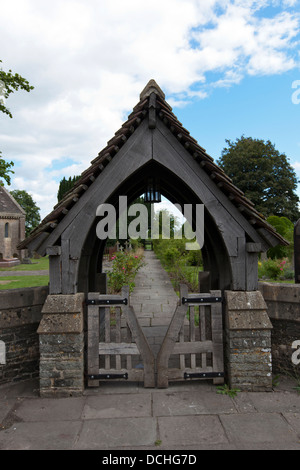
89,61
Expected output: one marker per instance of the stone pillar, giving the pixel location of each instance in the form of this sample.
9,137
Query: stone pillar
248,341
61,340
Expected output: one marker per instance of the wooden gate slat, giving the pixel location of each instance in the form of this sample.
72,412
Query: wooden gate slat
118,348
217,339
170,340
93,341
141,342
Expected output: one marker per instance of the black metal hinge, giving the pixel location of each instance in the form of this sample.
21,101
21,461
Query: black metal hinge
200,300
108,376
107,302
203,375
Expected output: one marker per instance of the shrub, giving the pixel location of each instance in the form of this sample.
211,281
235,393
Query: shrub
124,269
275,269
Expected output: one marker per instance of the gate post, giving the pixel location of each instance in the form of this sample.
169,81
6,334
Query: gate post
248,341
61,340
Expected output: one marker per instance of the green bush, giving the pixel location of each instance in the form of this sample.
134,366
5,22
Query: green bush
275,269
124,269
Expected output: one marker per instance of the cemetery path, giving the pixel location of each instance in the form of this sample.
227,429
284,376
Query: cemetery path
24,273
154,300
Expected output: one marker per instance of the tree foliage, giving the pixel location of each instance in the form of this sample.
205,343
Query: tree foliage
263,174
285,228
5,169
65,185
9,83
25,200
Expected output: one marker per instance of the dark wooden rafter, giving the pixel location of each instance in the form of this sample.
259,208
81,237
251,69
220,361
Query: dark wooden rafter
154,106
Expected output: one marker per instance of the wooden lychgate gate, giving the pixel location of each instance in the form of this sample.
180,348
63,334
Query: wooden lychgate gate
117,347
193,345
119,350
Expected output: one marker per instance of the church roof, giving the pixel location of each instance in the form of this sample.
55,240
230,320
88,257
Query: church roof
8,205
162,110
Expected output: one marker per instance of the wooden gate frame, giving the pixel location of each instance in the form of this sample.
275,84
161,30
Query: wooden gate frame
171,346
95,347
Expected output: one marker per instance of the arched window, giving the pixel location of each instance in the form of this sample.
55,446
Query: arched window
6,230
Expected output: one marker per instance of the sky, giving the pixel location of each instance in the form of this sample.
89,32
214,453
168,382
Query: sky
228,68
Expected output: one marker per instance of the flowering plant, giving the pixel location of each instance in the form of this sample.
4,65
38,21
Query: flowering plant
124,269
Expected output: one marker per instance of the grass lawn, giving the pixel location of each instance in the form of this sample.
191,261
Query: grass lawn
37,265
18,282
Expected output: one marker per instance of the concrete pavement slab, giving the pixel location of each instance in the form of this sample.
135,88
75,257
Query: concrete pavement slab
49,409
275,402
117,406
259,428
191,403
191,430
115,433
52,435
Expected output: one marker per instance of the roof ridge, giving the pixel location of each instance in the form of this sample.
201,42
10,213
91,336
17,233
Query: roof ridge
152,87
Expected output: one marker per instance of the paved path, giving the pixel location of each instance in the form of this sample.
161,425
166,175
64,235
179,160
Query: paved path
154,300
185,418
24,273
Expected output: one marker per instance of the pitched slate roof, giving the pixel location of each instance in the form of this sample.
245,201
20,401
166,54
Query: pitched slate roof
8,205
162,110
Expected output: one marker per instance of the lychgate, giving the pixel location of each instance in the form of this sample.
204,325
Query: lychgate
153,146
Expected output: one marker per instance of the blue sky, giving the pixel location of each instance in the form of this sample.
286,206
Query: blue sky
226,67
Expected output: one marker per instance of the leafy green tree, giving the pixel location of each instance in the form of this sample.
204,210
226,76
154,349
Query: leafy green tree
5,169
285,228
9,83
65,185
25,200
263,174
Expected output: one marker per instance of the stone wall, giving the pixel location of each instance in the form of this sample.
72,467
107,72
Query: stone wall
248,361
61,339
283,302
20,315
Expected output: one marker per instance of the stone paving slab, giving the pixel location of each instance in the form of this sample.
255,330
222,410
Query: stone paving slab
191,430
50,435
186,417
115,433
257,428
191,403
117,406
47,409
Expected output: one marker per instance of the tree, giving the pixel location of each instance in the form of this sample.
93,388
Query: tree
285,228
65,186
5,169
32,211
9,83
263,174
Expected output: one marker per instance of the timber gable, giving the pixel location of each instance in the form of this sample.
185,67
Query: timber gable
159,114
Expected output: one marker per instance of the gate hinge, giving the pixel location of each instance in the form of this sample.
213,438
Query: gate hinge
203,375
200,300
107,302
108,376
